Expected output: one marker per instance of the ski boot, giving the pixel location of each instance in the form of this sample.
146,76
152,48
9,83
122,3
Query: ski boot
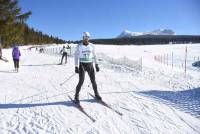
98,97
76,100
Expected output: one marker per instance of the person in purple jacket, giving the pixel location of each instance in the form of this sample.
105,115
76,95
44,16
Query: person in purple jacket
16,56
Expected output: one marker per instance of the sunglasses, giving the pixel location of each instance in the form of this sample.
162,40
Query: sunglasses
86,37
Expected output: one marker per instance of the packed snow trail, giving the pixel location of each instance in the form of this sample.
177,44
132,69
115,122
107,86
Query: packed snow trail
33,101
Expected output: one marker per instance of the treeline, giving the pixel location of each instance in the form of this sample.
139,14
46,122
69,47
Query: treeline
150,40
13,28
32,36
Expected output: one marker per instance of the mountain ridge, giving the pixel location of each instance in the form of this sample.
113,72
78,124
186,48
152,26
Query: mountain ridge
127,33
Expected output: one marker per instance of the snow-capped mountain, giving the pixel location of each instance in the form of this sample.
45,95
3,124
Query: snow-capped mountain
127,33
163,32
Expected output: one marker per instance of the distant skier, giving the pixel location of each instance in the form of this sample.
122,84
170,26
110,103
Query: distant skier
16,56
1,55
41,50
0,49
64,54
85,56
0,52
70,50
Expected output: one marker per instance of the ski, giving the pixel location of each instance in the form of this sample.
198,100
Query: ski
106,105
80,108
4,59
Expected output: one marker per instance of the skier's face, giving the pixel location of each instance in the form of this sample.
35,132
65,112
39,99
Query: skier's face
86,40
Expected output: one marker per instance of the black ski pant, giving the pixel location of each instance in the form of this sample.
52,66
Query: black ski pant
86,67
16,63
64,55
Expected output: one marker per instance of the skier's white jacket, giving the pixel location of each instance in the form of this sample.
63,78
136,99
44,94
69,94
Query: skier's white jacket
64,50
85,54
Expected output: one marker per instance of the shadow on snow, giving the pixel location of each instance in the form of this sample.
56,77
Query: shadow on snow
187,101
29,105
11,71
41,64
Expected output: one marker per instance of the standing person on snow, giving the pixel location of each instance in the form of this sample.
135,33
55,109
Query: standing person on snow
64,54
0,50
16,54
85,56
1,55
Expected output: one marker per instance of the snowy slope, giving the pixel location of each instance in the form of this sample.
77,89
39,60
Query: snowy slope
154,98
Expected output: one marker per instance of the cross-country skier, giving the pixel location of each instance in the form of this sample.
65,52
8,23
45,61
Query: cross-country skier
64,54
84,58
0,52
16,55
0,49
1,55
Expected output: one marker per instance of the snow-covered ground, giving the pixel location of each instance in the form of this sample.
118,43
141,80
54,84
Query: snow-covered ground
154,98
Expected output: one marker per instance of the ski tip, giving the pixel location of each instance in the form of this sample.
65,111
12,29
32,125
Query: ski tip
70,97
120,114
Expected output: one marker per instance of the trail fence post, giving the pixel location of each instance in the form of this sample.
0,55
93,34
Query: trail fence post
167,59
185,58
172,60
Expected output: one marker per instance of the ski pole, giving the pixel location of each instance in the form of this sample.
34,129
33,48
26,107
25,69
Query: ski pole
67,79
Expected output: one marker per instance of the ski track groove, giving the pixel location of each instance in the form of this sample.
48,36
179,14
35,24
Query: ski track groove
194,129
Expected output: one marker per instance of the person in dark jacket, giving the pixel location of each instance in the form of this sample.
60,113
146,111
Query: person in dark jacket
16,56
0,49
1,55
0,52
64,54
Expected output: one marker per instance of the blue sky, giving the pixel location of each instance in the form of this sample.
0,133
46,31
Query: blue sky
68,19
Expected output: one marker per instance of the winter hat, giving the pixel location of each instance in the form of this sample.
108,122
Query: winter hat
86,34
15,46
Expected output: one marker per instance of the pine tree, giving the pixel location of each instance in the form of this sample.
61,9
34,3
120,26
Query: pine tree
13,28
11,22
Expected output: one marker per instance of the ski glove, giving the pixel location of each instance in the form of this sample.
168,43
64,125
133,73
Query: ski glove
97,67
76,70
